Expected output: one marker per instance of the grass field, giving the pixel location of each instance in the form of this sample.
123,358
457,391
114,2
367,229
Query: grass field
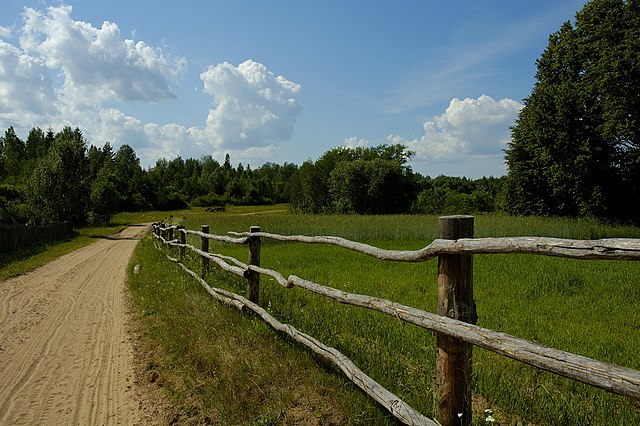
585,307
226,368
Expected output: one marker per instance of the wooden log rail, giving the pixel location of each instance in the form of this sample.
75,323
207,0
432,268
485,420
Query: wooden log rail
612,378
611,248
395,405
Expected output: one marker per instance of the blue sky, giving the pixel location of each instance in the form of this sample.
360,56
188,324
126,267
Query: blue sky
279,81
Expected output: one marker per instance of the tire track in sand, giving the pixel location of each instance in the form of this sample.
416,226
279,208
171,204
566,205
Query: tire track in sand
65,356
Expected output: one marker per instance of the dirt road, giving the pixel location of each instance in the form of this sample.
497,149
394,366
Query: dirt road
65,354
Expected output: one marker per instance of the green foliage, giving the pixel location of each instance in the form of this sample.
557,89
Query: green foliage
453,195
575,148
12,152
104,197
12,206
359,180
58,188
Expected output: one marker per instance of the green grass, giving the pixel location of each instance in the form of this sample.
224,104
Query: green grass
585,307
227,368
223,367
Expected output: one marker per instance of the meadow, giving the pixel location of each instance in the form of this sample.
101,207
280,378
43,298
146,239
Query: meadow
228,362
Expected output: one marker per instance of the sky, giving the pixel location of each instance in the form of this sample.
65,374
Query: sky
278,81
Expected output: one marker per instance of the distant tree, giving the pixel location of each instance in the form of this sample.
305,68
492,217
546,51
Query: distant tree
575,148
104,199
131,182
12,155
35,144
362,180
58,189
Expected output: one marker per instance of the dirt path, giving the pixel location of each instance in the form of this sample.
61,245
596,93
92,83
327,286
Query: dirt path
65,354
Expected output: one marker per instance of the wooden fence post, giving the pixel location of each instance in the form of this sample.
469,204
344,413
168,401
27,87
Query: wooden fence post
183,241
253,280
455,300
170,233
204,242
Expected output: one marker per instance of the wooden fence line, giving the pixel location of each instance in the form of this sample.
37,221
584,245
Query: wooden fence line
616,379
612,378
19,236
387,399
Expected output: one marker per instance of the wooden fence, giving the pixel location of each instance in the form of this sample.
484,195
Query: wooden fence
16,237
454,322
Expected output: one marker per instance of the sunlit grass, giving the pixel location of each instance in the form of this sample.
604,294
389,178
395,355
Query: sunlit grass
223,367
585,307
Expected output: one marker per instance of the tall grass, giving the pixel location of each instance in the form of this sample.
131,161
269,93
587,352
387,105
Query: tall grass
586,307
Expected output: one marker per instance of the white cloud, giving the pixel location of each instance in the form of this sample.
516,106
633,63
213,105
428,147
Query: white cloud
26,90
96,63
355,142
5,32
254,108
468,127
68,72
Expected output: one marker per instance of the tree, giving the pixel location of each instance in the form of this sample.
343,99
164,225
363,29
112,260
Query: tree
104,197
361,180
12,154
58,189
575,148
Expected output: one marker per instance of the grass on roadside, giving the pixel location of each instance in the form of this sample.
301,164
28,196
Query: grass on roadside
223,367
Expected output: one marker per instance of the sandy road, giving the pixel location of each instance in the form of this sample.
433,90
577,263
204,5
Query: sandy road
65,354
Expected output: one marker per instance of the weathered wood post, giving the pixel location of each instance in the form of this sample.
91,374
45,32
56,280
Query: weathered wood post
183,241
455,300
253,280
170,233
204,243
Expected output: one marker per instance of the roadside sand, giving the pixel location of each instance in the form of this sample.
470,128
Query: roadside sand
66,355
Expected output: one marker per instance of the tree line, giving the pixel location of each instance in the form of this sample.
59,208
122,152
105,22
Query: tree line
574,151
52,177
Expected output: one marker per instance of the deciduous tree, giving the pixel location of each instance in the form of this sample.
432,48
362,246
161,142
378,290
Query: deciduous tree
575,148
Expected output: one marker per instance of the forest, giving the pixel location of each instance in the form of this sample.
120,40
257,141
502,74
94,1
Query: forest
574,151
52,177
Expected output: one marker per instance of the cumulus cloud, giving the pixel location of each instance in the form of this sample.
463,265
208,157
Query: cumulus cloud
97,63
26,90
468,128
254,107
62,71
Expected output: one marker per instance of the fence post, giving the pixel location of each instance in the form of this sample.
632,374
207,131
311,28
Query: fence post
183,241
455,300
204,242
170,233
253,281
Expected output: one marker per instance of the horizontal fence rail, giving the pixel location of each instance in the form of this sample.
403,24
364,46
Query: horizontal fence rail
19,236
612,249
612,378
